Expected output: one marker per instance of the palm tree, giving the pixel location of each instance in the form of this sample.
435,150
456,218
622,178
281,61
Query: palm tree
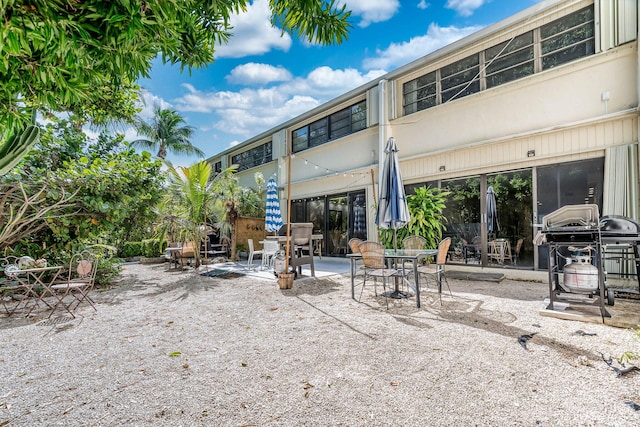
165,133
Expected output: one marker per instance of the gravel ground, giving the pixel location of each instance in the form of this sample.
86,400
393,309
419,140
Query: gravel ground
179,349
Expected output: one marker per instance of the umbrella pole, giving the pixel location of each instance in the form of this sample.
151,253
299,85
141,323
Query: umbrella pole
287,248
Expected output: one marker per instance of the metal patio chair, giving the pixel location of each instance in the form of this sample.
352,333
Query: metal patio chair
74,289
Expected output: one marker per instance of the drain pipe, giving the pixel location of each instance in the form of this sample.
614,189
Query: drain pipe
383,125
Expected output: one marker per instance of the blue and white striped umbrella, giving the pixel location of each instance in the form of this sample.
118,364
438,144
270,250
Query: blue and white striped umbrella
273,217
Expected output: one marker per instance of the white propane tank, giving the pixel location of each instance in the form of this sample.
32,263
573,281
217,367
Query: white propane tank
279,264
580,275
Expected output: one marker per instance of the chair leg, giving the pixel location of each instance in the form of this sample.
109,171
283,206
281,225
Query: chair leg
384,288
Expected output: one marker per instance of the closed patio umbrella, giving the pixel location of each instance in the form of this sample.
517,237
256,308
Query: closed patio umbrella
393,211
273,216
492,212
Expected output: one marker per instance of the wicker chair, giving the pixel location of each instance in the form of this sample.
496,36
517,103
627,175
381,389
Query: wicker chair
375,267
437,272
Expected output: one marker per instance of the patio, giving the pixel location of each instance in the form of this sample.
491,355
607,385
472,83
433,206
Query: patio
255,354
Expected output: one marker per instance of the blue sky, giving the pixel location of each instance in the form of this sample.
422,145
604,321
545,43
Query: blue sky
262,78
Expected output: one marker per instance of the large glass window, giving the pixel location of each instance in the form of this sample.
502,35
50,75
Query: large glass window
344,122
254,157
563,184
337,217
567,38
514,206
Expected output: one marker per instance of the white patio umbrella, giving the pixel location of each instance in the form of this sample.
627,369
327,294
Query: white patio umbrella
273,216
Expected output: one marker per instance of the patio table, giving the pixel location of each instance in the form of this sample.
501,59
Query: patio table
31,286
399,255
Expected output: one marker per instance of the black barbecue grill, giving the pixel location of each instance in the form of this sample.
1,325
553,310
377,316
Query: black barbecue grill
578,228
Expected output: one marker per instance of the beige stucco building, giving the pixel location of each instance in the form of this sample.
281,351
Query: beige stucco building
542,106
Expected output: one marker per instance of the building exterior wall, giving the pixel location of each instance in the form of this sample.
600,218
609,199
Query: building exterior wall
571,112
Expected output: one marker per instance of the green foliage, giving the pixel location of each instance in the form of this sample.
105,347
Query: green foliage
117,188
153,247
16,146
631,355
131,249
165,134
425,207
84,56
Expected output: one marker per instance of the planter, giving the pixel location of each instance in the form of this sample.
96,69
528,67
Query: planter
152,260
285,280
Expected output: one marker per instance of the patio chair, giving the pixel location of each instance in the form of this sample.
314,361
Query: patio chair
301,247
472,250
375,267
75,288
253,252
437,272
270,250
413,242
354,245
186,254
516,254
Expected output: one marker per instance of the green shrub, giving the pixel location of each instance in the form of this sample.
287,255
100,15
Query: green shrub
131,249
153,247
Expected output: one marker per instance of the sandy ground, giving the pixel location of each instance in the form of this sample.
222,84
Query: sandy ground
180,349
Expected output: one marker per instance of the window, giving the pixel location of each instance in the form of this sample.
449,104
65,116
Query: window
568,38
420,94
510,60
318,133
344,122
460,78
254,157
217,167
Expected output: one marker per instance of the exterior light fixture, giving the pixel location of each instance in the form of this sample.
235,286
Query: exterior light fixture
531,153
442,168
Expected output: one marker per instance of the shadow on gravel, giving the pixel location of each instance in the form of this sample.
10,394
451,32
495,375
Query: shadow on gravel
135,287
313,286
496,322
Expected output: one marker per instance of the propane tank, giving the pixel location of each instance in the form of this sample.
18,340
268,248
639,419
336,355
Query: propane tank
580,275
279,263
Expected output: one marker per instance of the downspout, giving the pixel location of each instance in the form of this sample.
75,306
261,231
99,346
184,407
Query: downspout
383,125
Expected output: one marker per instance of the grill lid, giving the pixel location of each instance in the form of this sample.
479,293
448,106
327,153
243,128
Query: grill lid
578,217
619,226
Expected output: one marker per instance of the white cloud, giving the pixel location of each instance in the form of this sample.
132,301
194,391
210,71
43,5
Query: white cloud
397,54
253,34
465,7
255,74
148,101
372,11
423,4
249,111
